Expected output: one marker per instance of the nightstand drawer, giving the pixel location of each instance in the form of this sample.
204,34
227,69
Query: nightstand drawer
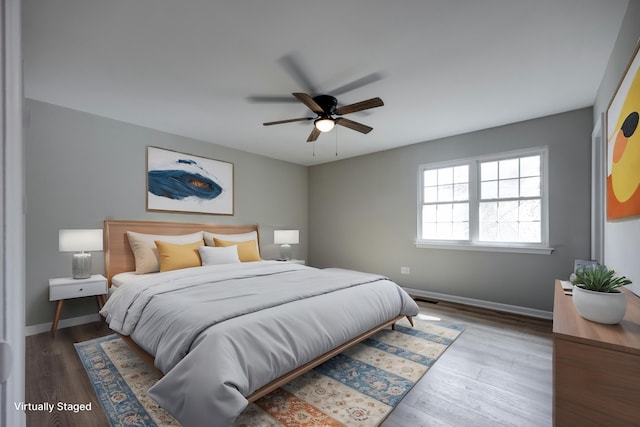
70,288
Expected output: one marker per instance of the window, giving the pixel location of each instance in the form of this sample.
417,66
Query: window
496,202
445,206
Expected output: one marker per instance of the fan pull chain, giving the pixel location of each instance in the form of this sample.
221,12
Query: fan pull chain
336,142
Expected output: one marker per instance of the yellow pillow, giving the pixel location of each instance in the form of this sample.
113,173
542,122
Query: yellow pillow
145,251
247,250
174,256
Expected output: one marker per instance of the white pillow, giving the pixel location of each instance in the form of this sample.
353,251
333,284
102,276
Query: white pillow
128,277
215,255
145,252
242,237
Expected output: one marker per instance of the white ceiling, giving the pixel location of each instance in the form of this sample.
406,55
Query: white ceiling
442,67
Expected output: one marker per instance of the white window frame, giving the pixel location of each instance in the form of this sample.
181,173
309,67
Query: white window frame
474,203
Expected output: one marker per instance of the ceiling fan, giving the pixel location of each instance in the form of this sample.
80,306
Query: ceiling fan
326,107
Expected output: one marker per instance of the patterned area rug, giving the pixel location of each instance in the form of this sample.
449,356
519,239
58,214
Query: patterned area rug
359,387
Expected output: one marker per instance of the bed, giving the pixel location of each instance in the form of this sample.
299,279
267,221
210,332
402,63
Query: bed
225,334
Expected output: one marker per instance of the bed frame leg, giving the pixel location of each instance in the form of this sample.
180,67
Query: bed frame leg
409,318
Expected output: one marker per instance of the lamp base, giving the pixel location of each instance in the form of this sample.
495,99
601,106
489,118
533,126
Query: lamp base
81,265
285,252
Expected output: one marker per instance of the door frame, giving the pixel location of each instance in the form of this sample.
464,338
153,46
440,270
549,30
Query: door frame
12,214
598,188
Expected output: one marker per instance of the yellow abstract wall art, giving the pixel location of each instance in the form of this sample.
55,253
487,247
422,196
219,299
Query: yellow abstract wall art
623,145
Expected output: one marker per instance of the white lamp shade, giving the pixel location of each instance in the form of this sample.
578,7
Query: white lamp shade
324,125
286,237
89,240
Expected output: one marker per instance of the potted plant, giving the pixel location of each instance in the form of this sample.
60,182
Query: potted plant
596,295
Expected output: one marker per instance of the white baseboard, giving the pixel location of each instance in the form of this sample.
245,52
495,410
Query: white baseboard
515,309
507,308
63,323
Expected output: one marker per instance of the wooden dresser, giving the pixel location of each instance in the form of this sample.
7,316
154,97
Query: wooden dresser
596,367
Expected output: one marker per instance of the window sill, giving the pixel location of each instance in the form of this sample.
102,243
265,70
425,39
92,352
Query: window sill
536,250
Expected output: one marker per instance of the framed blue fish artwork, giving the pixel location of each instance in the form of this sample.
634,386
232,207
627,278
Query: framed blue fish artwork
182,182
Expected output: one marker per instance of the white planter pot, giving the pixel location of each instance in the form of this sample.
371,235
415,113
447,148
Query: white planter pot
601,307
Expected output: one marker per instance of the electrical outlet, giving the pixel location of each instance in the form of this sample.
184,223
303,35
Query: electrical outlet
405,270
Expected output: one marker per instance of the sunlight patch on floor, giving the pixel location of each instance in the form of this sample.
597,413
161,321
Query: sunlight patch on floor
427,317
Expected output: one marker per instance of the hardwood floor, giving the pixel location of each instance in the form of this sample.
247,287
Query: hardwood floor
497,373
54,373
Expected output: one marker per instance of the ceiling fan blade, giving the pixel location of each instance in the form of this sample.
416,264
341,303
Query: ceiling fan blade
292,65
271,99
309,102
358,83
279,122
315,133
359,106
353,125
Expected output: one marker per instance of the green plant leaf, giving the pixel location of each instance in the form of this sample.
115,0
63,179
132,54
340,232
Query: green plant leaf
600,279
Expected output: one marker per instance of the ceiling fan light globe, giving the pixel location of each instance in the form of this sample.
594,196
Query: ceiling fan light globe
324,125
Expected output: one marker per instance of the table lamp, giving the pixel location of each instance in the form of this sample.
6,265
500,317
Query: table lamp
286,238
80,242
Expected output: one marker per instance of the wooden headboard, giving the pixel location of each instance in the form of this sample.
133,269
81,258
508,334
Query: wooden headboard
118,257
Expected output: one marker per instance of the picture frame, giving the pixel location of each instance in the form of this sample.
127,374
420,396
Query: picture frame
180,182
623,145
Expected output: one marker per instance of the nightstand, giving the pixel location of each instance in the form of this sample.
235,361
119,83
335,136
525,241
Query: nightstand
67,287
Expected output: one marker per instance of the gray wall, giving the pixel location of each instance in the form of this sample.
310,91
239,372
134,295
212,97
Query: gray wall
82,169
622,238
363,214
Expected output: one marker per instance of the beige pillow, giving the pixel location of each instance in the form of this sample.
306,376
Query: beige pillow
174,256
246,250
145,252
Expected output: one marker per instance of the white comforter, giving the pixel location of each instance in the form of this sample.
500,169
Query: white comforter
221,332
